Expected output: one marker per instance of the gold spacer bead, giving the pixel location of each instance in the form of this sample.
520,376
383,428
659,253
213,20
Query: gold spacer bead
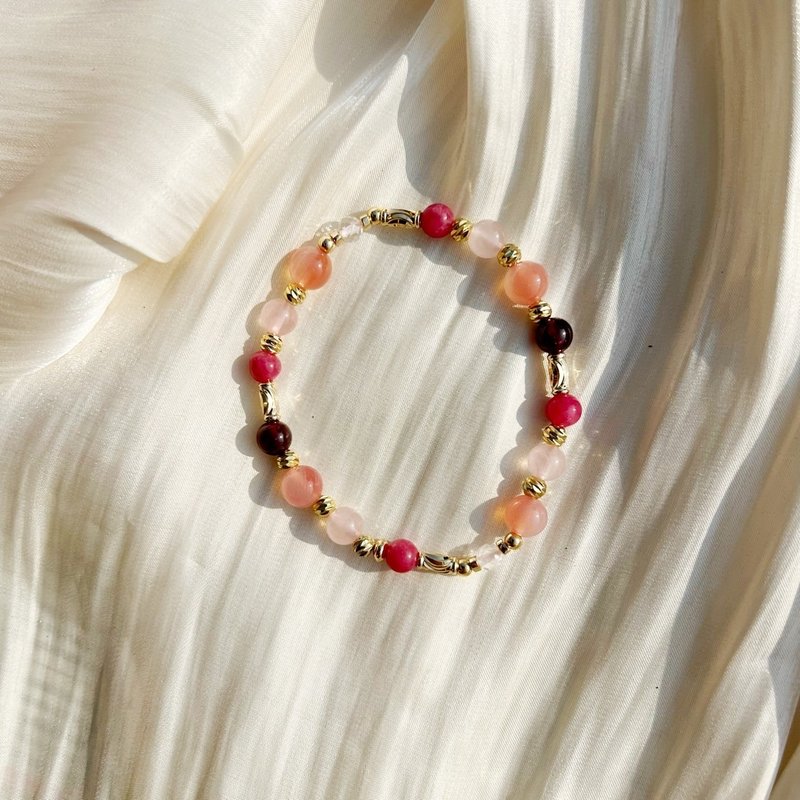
501,545
295,293
324,505
287,460
534,487
552,434
473,563
365,219
509,255
513,541
461,229
271,342
375,215
377,548
540,311
326,244
463,568
363,546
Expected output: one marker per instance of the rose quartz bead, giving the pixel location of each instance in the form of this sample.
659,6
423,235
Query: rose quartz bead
264,366
486,238
301,486
563,410
525,283
400,555
278,316
487,555
546,461
526,516
344,525
309,267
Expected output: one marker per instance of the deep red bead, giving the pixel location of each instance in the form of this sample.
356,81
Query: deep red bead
553,335
437,220
400,555
274,437
563,410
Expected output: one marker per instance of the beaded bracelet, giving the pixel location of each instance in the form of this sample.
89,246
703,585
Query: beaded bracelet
525,282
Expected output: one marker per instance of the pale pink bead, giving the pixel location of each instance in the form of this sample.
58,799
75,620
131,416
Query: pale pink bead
525,515
525,283
486,238
309,266
344,525
546,461
301,486
277,316
487,555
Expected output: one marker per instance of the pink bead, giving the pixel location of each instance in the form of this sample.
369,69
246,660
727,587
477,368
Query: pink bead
525,283
309,267
301,486
437,220
277,316
400,555
264,366
526,516
344,525
563,410
486,238
546,461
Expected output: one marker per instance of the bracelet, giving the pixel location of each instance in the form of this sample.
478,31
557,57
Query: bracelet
309,268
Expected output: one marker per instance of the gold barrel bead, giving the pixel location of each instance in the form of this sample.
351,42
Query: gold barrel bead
541,310
295,293
552,434
534,487
461,229
324,506
509,255
287,460
271,342
513,541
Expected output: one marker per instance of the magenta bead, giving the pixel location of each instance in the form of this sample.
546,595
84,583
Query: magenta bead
525,283
563,410
526,516
400,555
264,366
301,486
277,316
344,525
437,220
309,266
546,461
486,238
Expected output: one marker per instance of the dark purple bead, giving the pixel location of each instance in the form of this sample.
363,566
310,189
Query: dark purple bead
553,335
274,437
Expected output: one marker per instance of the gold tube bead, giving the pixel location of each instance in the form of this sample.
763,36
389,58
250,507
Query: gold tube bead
552,434
555,371
269,402
295,293
461,229
513,541
509,255
271,342
539,311
324,506
534,487
287,460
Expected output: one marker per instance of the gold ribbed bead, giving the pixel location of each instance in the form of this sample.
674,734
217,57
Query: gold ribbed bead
324,505
509,255
461,229
540,311
363,546
552,434
295,293
377,548
287,460
271,342
534,487
513,541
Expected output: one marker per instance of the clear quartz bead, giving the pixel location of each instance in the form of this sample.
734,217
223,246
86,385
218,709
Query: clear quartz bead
350,228
487,555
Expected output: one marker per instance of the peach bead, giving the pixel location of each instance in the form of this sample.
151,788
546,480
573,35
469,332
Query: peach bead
486,238
525,283
309,267
301,486
526,516
277,316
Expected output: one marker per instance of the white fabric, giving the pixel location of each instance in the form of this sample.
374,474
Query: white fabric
169,629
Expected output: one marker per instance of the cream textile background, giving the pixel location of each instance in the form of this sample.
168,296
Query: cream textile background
168,629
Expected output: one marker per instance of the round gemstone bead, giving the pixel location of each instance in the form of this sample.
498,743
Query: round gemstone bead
563,410
525,283
437,220
486,238
278,316
344,525
487,555
545,461
553,335
301,486
525,515
264,366
274,437
309,267
400,555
